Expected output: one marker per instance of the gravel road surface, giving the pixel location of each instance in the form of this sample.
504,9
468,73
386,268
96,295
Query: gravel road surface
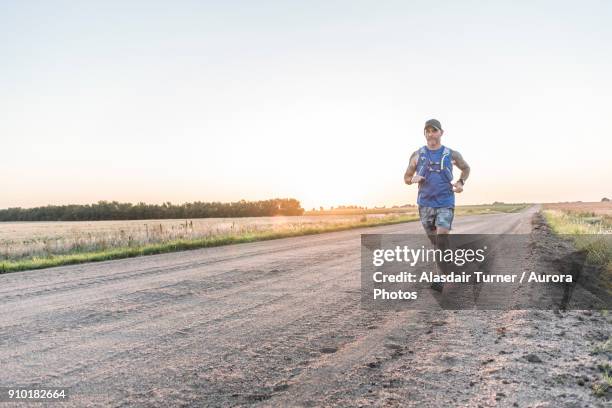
279,323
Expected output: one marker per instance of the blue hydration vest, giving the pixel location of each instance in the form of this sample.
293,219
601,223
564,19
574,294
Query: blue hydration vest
436,166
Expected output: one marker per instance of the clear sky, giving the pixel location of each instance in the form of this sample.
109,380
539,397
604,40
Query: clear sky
322,101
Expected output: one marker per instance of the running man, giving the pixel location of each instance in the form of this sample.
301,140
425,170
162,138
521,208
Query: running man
433,165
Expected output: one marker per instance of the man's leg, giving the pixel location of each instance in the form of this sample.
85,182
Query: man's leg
443,222
428,220
436,221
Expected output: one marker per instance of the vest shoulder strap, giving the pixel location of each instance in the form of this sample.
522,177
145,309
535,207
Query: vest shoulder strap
445,152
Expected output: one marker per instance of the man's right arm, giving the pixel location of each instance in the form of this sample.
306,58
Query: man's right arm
412,166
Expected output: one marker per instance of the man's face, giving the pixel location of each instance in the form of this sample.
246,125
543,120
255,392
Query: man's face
433,135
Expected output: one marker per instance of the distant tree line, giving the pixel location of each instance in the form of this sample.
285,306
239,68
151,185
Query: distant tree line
105,210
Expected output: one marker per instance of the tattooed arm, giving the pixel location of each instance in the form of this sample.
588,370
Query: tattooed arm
460,162
409,177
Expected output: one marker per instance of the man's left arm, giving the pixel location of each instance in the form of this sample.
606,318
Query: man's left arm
460,162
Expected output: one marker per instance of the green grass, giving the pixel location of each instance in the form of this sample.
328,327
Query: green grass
586,234
573,223
134,250
601,388
490,209
607,378
605,347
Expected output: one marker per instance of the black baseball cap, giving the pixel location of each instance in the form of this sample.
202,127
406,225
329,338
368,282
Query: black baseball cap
433,123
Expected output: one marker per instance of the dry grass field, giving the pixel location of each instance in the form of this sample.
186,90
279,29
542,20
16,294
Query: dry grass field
589,226
580,218
33,245
20,240
597,208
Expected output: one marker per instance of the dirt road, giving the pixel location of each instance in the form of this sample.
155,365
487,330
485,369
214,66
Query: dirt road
278,323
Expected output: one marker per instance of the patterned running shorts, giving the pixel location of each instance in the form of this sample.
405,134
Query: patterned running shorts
431,218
